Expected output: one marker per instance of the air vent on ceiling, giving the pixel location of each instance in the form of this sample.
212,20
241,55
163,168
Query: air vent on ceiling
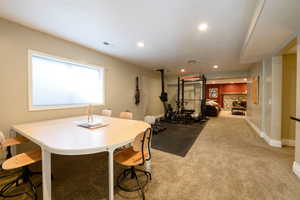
192,62
106,43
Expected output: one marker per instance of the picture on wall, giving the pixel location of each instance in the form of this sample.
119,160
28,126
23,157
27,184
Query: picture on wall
213,93
255,90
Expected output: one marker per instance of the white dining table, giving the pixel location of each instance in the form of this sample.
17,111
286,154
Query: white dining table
65,137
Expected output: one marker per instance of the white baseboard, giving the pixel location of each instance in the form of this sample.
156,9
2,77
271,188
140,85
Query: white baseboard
296,168
256,129
288,142
271,142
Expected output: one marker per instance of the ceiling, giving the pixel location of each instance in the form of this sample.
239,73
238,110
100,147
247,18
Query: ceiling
275,26
167,28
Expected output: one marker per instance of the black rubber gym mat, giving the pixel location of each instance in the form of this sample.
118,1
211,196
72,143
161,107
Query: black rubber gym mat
177,138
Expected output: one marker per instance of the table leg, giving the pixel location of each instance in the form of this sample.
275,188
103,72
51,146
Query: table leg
46,167
111,174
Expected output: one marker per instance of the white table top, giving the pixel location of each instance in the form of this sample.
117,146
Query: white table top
63,136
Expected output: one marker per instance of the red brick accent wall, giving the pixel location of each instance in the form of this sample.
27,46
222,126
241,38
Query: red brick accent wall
226,88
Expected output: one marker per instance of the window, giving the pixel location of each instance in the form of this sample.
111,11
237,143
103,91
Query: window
59,83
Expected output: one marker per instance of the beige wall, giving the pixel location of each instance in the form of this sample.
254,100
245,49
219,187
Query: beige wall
254,111
151,92
297,142
171,83
267,96
289,96
266,115
276,103
15,40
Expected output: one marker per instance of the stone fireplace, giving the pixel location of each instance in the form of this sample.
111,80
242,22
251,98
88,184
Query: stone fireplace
228,98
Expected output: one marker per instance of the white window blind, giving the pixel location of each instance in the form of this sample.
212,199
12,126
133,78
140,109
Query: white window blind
58,83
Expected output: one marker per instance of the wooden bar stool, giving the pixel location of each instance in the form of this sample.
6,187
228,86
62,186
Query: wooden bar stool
107,112
126,115
134,156
22,160
8,143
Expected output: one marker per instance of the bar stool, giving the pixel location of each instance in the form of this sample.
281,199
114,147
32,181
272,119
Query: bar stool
107,112
8,143
22,161
134,156
126,115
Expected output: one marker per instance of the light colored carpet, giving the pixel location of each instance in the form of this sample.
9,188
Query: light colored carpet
228,161
226,113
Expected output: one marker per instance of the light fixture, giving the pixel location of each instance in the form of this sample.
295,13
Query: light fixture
215,66
140,44
182,70
245,79
203,27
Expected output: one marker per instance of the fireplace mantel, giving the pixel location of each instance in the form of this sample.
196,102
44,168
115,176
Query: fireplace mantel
234,93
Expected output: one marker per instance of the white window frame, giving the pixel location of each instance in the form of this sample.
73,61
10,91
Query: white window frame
57,58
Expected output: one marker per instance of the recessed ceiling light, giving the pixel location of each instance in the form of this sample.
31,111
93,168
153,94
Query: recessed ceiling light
182,70
216,66
140,44
203,27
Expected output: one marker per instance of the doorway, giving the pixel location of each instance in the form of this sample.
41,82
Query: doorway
289,77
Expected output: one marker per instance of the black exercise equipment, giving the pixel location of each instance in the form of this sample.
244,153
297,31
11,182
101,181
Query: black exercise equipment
169,114
180,114
157,127
202,98
137,92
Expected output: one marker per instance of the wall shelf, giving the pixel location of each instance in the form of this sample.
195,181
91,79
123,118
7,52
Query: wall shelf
234,93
